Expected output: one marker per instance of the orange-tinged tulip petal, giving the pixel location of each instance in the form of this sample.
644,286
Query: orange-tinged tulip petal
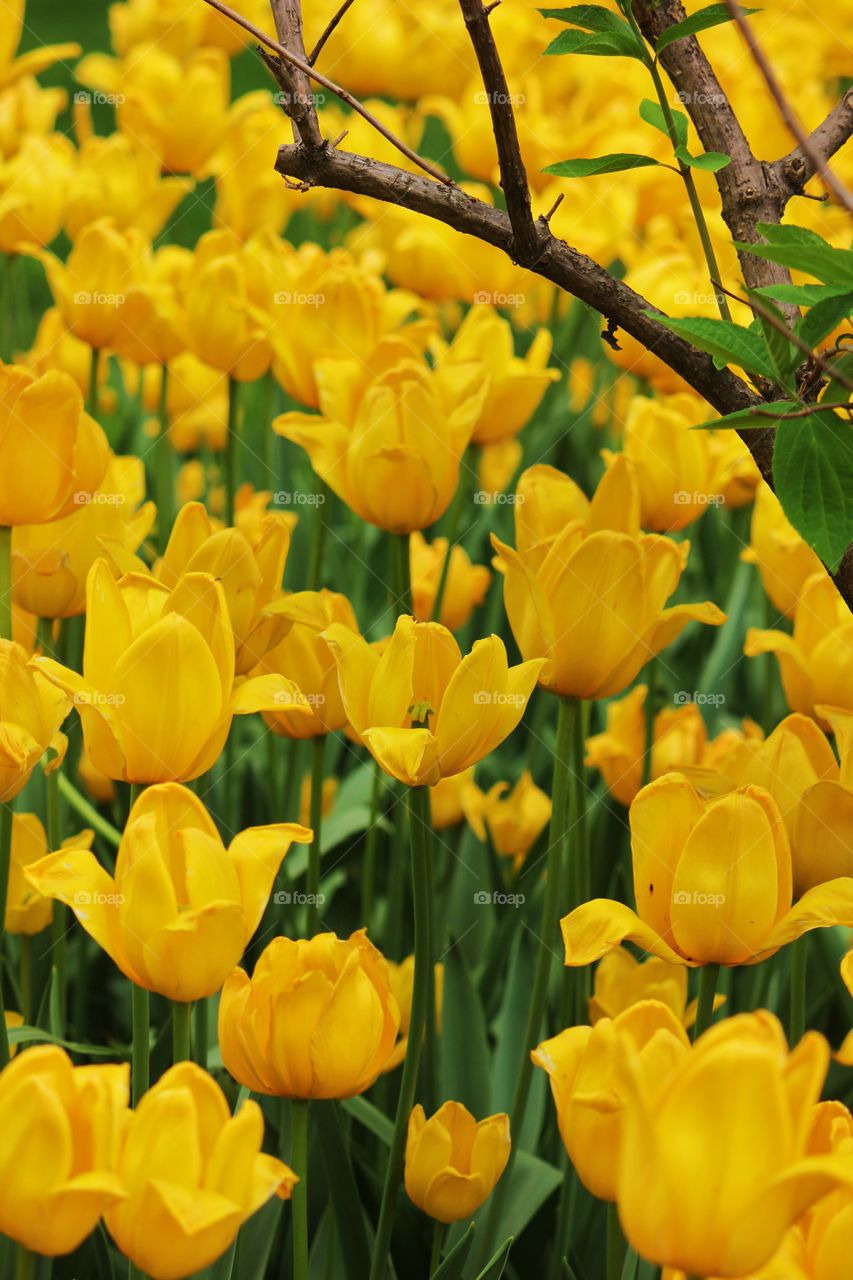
453,1161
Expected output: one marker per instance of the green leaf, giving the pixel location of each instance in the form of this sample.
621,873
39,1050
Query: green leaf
38,1035
591,17
708,161
454,1264
724,340
495,1267
371,1117
713,16
836,392
531,1182
510,1029
632,1262
748,419
802,250
802,295
343,1188
813,473
615,163
465,1057
823,317
620,43
784,356
652,113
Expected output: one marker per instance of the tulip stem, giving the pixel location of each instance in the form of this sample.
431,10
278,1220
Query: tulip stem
708,976
92,405
462,495
651,698
418,804
799,967
5,863
59,920
5,582
615,1244
202,1034
87,810
401,572
181,1021
438,1234
318,747
165,470
299,1164
141,1022
368,872
318,537
231,440
27,1264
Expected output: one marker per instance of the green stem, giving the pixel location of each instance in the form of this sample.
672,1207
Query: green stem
86,810
568,709
92,405
181,1023
59,921
299,1164
708,976
799,969
615,1244
368,872
5,583
318,537
26,977
231,442
402,571
438,1233
165,467
141,1022
454,515
5,863
26,1267
202,1032
318,747
651,698
418,804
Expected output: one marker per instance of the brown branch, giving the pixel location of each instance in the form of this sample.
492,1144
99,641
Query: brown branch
333,22
526,236
814,156
293,60
796,168
287,15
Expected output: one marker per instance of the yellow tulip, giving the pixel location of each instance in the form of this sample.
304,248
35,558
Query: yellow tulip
61,1125
845,1053
220,328
474,702
97,785
516,383
37,59
250,195
746,1103
465,588
317,1019
679,740
712,883
27,910
513,822
193,1174
196,403
105,262
150,323
393,452
585,588
583,1067
816,662
56,348
821,823
115,174
446,798
179,26
402,979
157,693
31,711
784,561
304,656
328,793
50,561
621,981
53,456
497,465
180,908
32,192
453,1161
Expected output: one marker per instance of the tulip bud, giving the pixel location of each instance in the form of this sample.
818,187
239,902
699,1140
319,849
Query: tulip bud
454,1161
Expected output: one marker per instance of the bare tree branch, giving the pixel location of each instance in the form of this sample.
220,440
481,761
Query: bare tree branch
330,26
287,15
526,236
796,168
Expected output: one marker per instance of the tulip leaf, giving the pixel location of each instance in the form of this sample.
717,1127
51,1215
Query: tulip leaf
803,250
712,16
343,1188
370,1117
726,341
652,113
255,1241
37,1035
813,473
465,1057
495,1267
708,161
510,1029
453,1265
615,163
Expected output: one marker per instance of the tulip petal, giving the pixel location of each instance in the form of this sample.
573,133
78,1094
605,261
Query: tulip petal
235,1055
598,926
409,755
345,1040
75,877
270,692
257,854
661,819
191,957
819,908
793,665
357,664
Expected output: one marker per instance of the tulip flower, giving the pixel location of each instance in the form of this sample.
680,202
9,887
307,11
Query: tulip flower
784,560
465,588
61,1125
586,589
712,883
454,1161
317,1019
116,174
402,979
679,739
305,656
516,383
157,693
32,192
150,326
621,982
193,1174
90,287
31,711
497,465
446,799
36,60
583,1068
816,662
219,328
845,1053
394,455
179,910
50,561
746,1103
53,456
474,702
27,910
821,823
512,821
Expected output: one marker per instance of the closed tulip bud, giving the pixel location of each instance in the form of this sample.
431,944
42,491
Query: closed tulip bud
377,455
306,658
446,799
814,662
50,562
180,909
588,591
317,1019
32,192
583,1067
516,383
103,265
114,173
473,702
157,693
821,821
747,1104
497,465
784,560
220,327
31,711
712,882
61,1125
465,588
27,910
621,981
53,456
453,1161
514,821
193,1175
402,979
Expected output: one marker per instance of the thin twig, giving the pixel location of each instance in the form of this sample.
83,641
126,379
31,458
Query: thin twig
807,411
315,52
292,60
